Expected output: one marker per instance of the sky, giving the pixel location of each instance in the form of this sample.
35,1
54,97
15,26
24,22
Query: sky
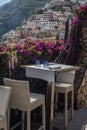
2,2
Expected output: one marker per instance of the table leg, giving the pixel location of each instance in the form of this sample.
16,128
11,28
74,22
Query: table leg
49,105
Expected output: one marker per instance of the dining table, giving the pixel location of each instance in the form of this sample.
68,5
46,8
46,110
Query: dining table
51,73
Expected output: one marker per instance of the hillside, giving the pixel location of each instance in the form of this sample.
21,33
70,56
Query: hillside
12,14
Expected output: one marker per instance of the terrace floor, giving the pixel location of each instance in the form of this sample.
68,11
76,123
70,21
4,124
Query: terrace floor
78,123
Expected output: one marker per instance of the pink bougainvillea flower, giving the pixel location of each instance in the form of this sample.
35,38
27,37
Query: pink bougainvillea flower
4,49
58,48
75,20
50,52
26,52
20,51
17,46
50,45
84,7
38,47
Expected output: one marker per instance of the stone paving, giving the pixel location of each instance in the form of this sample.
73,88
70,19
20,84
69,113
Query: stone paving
78,123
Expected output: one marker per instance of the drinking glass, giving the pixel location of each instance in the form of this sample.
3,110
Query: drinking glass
37,63
45,64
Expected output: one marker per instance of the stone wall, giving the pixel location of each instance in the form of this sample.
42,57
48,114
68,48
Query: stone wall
81,75
83,43
82,92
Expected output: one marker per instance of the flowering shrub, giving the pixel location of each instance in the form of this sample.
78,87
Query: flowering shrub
80,15
30,50
78,20
3,59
